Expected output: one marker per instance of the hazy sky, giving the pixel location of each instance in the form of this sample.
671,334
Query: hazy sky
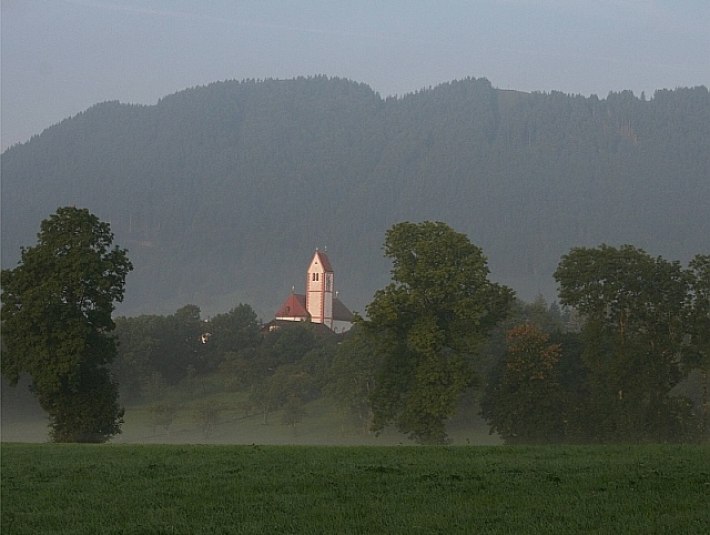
61,56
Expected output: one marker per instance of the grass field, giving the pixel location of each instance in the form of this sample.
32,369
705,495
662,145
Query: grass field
120,488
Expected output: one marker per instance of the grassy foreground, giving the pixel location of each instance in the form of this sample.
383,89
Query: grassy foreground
115,488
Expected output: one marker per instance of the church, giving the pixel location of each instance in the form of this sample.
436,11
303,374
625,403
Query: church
320,303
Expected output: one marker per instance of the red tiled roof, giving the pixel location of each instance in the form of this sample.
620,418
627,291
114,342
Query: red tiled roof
293,307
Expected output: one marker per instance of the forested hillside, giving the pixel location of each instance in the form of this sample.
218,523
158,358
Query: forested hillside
221,193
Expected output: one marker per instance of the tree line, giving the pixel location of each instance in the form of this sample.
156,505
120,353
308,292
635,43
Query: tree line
635,370
625,358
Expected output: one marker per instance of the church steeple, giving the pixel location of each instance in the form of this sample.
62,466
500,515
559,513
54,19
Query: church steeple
319,289
320,303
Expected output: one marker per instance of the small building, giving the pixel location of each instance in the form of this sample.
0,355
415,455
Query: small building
320,303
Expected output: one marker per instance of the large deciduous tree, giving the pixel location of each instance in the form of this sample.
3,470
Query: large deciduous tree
427,323
56,315
637,313
526,402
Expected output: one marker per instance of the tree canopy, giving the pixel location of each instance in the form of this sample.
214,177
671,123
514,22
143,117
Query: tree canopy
526,402
638,314
427,323
56,314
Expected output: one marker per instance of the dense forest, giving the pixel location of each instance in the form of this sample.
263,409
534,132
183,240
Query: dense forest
221,193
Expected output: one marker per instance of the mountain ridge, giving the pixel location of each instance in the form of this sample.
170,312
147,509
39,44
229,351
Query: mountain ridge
222,192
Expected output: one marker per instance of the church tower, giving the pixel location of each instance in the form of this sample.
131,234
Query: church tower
320,303
319,290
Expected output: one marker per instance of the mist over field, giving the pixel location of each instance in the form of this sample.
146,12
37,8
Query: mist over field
23,420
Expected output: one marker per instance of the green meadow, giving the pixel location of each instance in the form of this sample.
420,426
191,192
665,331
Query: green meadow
151,488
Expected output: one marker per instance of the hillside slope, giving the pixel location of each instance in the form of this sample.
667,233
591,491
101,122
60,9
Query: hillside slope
221,193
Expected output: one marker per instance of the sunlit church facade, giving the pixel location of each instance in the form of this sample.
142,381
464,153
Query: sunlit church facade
320,303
